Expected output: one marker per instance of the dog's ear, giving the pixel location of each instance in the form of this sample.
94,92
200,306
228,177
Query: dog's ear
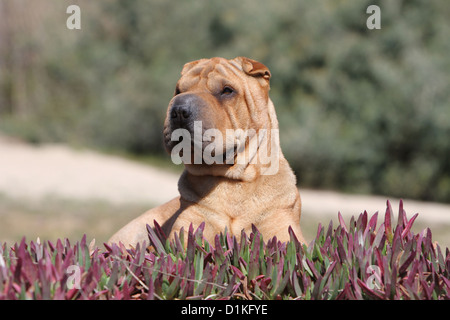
253,68
188,66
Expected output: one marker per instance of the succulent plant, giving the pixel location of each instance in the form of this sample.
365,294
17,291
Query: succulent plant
357,260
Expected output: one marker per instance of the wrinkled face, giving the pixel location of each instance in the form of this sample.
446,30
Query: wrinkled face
214,98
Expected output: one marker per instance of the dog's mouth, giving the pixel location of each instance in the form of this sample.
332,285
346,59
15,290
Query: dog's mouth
214,152
212,147
225,157
205,150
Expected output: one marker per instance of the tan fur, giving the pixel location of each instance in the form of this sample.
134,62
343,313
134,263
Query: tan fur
233,196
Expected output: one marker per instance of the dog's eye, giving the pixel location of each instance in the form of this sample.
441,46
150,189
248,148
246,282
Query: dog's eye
177,91
227,90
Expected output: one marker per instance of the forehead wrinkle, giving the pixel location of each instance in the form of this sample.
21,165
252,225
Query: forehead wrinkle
186,83
197,69
236,65
206,70
218,76
220,68
234,69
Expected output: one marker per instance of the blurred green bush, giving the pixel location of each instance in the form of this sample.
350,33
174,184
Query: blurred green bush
360,110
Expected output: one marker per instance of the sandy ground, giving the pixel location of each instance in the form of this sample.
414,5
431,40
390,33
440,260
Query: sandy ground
34,172
31,173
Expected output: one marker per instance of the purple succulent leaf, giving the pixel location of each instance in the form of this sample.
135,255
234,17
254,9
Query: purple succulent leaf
368,291
401,220
373,221
198,234
388,222
428,241
296,284
155,240
237,272
312,268
293,238
342,222
281,284
159,231
341,250
229,240
361,223
408,226
407,263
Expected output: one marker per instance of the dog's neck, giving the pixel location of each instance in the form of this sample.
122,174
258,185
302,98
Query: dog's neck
194,188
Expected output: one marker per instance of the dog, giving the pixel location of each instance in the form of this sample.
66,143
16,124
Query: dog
234,182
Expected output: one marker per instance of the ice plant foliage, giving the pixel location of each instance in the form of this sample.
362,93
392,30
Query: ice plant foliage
358,260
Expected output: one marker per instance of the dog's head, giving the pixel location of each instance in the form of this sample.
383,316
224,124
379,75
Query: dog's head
219,116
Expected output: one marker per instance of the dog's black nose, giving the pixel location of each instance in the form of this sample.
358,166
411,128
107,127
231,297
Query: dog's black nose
181,116
180,112
185,110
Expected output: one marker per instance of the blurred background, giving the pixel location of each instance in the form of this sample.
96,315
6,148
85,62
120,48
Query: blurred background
361,111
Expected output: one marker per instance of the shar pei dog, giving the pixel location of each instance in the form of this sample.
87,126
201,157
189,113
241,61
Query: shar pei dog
221,124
